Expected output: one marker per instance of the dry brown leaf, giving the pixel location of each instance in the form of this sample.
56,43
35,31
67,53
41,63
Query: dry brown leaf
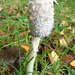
12,27
22,34
8,69
67,58
3,33
73,63
10,11
64,23
11,54
63,42
1,23
25,47
53,57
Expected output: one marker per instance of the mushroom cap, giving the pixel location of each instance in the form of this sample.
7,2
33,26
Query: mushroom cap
41,17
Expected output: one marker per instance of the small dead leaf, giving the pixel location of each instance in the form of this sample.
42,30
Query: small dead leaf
19,14
11,55
9,69
26,6
10,11
1,8
12,27
73,18
2,18
62,32
69,28
53,57
6,7
1,23
63,42
67,58
67,16
22,34
66,8
71,53
74,28
14,6
64,23
25,47
3,33
73,63
21,28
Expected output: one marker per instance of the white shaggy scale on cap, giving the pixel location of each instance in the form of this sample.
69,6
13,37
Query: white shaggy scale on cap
41,17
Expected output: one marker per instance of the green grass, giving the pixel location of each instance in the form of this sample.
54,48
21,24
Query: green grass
14,21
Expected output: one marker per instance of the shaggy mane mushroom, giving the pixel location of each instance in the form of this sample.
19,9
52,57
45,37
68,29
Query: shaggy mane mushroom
41,25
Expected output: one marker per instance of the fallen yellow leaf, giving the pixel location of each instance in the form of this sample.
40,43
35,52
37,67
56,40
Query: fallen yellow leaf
64,23
62,32
69,28
1,8
73,18
66,8
63,42
53,57
67,16
25,47
73,63
21,28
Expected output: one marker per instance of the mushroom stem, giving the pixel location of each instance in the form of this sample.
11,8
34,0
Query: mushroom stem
33,54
